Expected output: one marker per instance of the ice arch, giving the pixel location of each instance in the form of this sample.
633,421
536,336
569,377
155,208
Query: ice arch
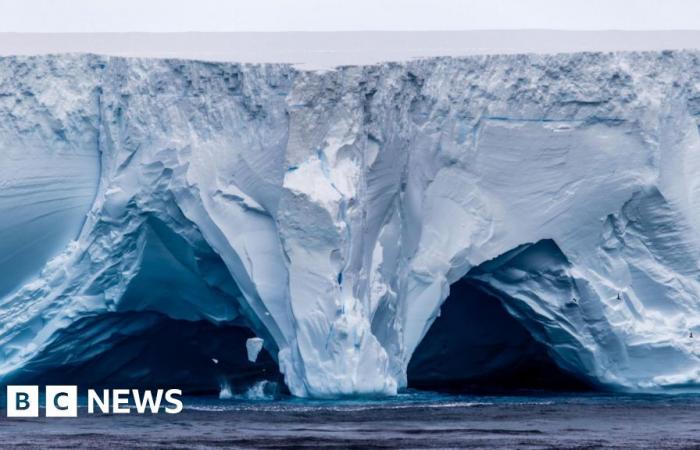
343,205
177,323
475,345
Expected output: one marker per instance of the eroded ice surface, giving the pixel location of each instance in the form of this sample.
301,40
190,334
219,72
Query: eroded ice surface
331,211
253,346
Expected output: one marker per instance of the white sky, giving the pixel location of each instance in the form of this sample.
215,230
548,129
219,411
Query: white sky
344,15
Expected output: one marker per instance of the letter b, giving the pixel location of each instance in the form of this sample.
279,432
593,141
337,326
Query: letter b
22,401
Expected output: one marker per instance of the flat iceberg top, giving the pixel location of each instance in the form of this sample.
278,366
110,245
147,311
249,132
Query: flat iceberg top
323,50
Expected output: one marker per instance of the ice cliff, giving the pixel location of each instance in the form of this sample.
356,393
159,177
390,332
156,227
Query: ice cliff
329,212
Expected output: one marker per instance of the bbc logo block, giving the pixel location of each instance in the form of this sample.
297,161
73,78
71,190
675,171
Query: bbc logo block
61,401
23,401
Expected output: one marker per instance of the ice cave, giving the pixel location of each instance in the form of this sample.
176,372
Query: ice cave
442,223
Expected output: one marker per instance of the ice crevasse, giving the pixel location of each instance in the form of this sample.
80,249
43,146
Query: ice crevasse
331,211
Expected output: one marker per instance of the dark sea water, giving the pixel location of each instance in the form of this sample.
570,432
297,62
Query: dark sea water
411,420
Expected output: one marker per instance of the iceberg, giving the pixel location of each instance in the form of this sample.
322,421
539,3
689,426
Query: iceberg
331,212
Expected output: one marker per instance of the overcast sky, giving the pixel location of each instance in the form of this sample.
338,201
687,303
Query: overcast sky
336,15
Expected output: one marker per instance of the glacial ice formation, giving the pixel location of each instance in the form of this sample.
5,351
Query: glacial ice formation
476,345
146,350
253,346
329,212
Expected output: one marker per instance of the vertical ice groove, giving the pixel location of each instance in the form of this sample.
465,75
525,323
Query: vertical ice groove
331,211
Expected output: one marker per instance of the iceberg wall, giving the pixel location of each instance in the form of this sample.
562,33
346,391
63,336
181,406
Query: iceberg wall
330,211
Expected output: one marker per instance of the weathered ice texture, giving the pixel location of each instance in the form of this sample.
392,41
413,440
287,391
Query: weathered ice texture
331,211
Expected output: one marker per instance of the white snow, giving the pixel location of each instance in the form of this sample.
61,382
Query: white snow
325,50
344,203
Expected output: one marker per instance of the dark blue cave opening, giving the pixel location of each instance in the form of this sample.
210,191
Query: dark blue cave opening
149,350
178,325
476,346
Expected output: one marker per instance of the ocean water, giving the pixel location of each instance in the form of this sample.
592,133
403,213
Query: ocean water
410,420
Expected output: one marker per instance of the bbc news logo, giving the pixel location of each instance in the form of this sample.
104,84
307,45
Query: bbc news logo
62,401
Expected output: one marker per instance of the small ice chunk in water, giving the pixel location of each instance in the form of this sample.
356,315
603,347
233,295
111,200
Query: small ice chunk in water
225,391
262,390
253,346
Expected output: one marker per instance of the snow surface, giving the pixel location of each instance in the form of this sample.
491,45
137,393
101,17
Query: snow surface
331,211
324,50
